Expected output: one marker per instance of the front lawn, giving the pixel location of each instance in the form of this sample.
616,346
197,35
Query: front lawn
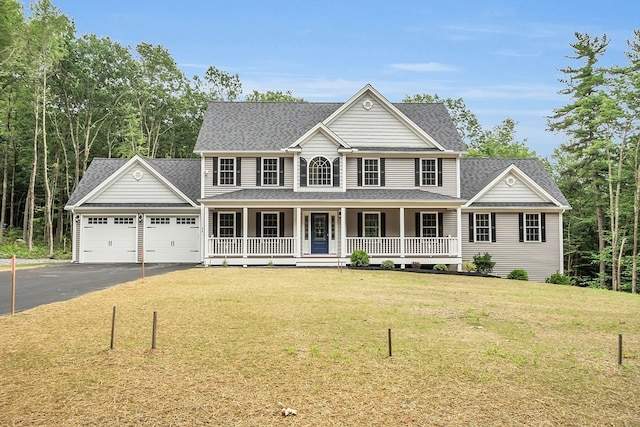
234,344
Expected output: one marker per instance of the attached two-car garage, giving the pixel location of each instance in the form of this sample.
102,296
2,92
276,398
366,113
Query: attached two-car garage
138,210
125,238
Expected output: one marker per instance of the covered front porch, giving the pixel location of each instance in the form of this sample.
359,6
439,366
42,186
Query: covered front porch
327,236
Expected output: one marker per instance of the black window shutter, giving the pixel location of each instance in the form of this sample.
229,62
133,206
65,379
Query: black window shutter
238,224
214,224
418,225
214,171
238,169
382,172
543,227
258,171
258,224
383,224
281,224
440,224
521,226
417,172
359,224
303,172
471,229
439,172
493,227
281,172
359,171
336,172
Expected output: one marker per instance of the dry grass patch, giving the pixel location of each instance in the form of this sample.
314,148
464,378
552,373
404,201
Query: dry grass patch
234,343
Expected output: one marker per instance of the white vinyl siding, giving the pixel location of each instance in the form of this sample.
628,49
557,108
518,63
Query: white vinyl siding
127,189
375,127
319,145
540,260
518,191
248,176
399,174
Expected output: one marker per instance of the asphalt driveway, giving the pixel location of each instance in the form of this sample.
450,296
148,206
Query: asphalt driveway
60,282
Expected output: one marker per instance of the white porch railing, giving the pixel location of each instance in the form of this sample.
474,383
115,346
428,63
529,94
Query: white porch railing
232,246
380,246
374,245
428,246
431,246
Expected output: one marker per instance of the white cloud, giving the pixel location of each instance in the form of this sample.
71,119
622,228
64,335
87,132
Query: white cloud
424,67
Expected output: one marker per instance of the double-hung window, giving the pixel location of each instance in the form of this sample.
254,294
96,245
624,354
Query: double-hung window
532,227
226,224
429,225
482,227
371,224
428,172
226,171
320,172
270,225
270,171
371,171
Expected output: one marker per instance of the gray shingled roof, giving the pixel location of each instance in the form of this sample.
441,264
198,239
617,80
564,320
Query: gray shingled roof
184,174
357,194
475,174
272,126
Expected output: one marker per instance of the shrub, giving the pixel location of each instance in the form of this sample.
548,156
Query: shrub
440,267
518,274
559,279
469,266
387,265
483,263
359,258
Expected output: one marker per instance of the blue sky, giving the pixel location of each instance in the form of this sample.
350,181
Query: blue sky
502,57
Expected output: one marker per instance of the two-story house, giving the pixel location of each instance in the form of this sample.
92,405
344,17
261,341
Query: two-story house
306,184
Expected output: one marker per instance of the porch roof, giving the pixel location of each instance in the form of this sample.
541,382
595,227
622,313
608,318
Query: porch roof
138,205
513,205
355,195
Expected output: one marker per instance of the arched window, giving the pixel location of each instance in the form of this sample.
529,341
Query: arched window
319,172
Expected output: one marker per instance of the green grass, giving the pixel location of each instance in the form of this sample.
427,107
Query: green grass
234,343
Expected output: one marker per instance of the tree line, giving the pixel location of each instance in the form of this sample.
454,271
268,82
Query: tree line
65,99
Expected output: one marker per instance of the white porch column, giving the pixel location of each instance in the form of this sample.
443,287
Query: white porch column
343,231
459,232
204,233
402,233
245,231
560,242
298,233
296,171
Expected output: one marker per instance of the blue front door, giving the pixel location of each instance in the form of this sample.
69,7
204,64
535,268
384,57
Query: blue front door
320,233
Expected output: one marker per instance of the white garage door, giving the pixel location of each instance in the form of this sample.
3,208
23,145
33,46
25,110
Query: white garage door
172,239
108,239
